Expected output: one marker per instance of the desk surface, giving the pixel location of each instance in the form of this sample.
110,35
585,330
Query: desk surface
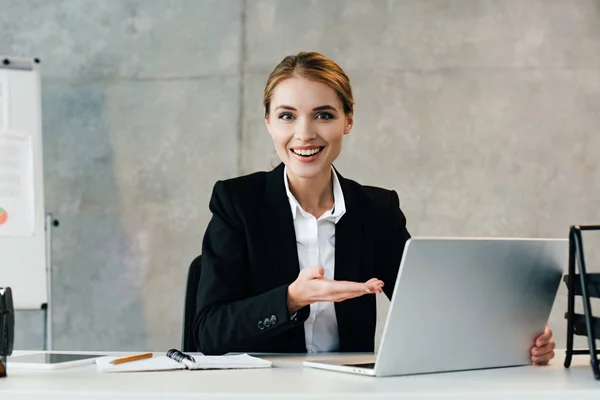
289,379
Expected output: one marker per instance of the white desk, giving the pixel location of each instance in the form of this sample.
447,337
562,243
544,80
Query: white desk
289,380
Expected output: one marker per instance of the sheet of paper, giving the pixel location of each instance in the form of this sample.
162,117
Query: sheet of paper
156,363
230,362
3,100
163,363
16,185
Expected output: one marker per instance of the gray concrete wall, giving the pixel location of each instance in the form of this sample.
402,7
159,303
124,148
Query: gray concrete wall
482,114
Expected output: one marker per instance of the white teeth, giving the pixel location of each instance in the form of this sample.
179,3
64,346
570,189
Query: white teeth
306,152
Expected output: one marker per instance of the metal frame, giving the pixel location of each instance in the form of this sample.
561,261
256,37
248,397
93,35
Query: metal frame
585,285
28,64
49,223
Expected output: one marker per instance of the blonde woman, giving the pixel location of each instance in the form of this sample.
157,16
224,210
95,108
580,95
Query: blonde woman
292,257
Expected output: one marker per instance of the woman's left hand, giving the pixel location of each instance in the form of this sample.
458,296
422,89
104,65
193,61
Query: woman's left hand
543,350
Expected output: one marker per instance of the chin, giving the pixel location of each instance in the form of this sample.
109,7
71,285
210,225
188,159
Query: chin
307,171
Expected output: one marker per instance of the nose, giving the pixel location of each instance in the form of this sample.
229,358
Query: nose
305,131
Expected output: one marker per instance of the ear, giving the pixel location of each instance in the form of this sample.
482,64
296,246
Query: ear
349,123
268,124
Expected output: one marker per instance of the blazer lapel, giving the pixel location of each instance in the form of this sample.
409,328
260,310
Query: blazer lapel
349,233
348,236
279,227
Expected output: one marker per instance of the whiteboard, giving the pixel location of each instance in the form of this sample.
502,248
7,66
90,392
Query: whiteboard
23,250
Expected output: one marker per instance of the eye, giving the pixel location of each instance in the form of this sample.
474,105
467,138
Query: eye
286,116
325,115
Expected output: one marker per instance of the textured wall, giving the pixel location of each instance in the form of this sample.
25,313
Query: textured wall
141,112
483,115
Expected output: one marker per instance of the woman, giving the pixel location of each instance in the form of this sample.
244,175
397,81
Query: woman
292,257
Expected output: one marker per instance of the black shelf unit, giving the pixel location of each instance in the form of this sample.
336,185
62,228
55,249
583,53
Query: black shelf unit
586,285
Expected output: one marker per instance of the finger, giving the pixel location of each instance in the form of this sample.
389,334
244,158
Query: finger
371,281
374,287
343,295
331,290
543,354
374,280
544,338
337,287
346,296
312,272
542,360
350,295
545,349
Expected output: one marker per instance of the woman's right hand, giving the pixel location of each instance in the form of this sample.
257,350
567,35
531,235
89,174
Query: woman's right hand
311,287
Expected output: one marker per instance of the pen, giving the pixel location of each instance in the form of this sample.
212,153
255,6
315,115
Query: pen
132,358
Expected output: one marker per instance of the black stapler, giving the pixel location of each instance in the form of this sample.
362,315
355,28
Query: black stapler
7,327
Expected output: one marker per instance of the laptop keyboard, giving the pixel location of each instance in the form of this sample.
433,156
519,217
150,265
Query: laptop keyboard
362,365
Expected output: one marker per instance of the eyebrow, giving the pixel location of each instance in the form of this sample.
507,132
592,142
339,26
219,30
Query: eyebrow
320,108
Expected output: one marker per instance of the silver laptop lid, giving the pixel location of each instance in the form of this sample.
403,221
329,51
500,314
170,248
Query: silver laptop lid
468,303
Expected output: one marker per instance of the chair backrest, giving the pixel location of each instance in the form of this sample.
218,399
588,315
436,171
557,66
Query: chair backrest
189,312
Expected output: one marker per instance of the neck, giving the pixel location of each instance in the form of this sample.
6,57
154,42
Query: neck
314,194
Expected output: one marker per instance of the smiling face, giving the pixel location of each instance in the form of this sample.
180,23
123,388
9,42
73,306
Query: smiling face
307,124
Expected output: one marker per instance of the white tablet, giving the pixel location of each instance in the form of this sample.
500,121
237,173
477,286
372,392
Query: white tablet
50,360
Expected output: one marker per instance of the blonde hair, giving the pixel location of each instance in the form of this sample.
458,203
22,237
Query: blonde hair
313,66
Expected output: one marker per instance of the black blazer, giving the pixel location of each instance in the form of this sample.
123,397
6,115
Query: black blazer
249,258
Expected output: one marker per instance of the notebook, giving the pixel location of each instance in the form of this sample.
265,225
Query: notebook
175,360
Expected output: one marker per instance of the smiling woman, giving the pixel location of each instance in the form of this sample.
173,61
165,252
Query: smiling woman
292,257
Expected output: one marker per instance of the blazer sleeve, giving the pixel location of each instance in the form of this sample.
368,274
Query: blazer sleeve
226,320
392,243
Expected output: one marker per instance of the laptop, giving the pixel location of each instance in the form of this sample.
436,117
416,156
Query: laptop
464,304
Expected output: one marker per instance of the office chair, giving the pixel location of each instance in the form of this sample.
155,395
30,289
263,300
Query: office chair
189,312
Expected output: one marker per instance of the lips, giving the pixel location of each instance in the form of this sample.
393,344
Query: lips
306,154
